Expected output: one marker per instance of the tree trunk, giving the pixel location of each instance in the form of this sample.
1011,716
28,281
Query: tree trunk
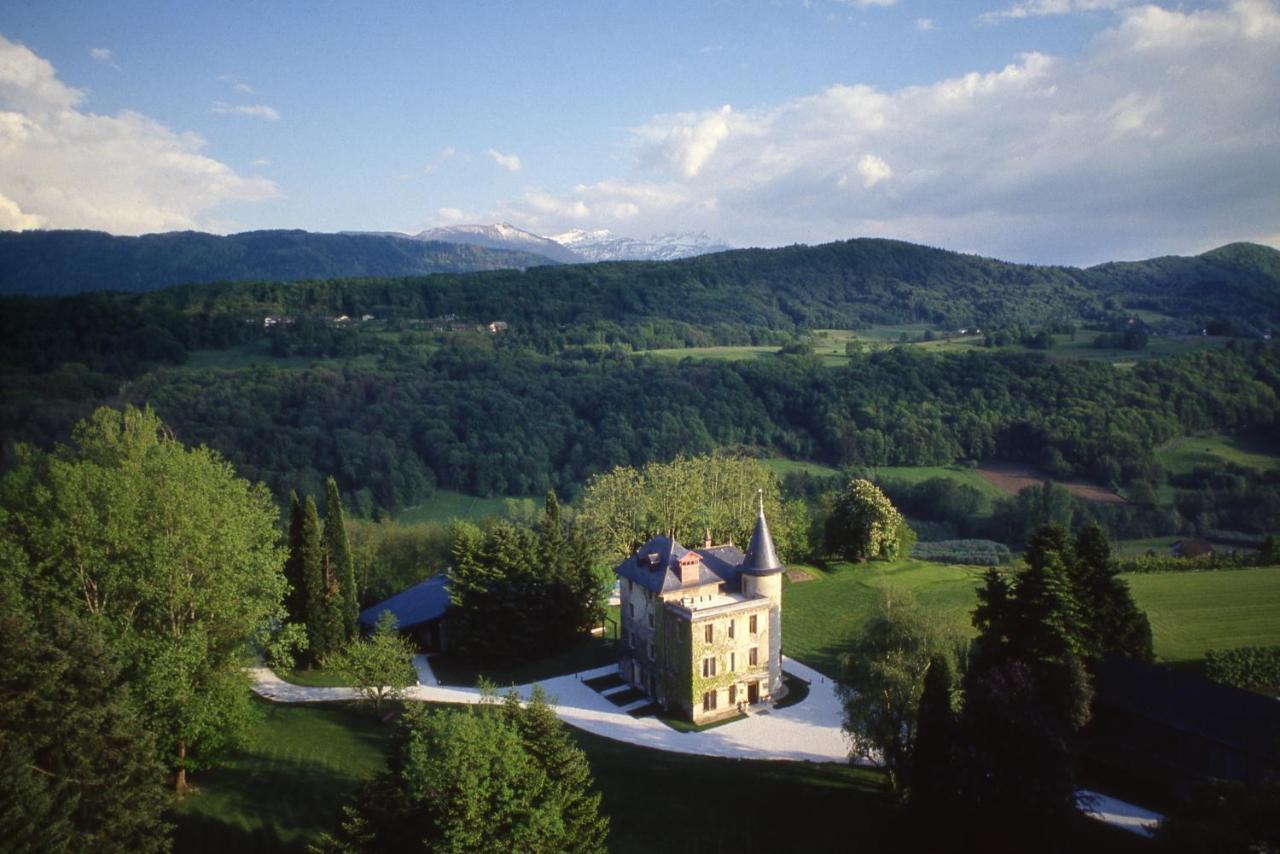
180,781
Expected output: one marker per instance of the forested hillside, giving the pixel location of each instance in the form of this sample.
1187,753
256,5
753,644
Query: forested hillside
426,396
51,263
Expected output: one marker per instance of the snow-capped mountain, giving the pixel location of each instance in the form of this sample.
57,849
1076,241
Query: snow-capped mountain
604,245
501,236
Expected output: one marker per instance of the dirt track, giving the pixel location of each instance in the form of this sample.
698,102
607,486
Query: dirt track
1011,478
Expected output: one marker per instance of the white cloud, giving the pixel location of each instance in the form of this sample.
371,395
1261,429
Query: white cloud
12,217
510,162
1042,8
261,161
450,216
260,111
873,170
1158,137
447,153
103,55
237,85
62,167
924,25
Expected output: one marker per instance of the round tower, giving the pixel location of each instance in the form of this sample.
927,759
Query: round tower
762,576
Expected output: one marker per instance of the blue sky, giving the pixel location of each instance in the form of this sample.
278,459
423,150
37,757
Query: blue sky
1041,130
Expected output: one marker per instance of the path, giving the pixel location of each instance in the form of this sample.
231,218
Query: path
809,731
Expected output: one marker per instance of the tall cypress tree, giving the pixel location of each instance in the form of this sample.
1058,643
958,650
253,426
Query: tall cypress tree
324,615
295,601
932,775
341,565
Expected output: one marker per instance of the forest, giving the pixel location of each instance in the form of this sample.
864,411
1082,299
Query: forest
414,394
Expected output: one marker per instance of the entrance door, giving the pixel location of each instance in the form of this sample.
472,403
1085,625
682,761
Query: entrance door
753,692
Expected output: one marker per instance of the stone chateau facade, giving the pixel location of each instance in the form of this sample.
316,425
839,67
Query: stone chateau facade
701,629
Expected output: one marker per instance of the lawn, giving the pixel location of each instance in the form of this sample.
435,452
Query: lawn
446,505
317,678
588,655
820,618
304,761
1184,454
300,764
1192,612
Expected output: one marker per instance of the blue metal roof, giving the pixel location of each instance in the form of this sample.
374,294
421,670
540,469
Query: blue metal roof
420,603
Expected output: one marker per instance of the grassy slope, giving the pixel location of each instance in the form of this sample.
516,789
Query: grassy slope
304,761
1184,454
1191,612
300,765
821,617
446,505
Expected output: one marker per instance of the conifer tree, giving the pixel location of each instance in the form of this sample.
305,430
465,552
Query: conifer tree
931,774
341,564
324,612
296,598
570,785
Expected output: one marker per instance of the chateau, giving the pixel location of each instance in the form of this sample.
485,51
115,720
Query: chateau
701,629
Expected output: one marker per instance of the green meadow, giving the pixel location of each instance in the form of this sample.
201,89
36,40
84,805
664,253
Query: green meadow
1186,453
1190,612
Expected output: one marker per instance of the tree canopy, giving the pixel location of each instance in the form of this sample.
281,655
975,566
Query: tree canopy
174,554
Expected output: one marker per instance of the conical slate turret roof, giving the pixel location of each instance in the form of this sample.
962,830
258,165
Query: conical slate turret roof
761,557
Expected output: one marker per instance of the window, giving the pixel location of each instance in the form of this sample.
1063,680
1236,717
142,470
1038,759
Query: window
752,626
731,628
753,656
733,694
732,662
709,666
709,633
651,650
709,701
650,619
632,607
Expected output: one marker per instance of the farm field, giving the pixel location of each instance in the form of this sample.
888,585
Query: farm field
730,354
446,505
1184,454
1011,478
1192,612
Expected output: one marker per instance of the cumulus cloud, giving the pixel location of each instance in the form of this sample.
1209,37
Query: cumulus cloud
1156,138
63,167
260,111
873,170
510,162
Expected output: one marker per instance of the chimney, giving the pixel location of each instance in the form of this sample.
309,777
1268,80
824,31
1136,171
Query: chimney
706,541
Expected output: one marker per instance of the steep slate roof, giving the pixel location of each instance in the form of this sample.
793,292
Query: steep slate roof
420,603
761,557
661,572
1188,703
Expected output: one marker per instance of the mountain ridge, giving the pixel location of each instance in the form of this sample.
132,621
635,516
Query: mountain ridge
65,262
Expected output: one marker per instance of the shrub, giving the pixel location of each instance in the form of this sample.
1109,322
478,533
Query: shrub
1249,667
